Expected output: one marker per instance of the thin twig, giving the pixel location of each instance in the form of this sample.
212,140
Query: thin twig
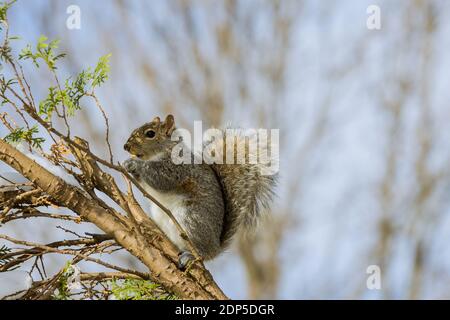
97,102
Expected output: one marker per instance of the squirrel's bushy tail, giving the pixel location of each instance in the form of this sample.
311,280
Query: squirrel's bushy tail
247,187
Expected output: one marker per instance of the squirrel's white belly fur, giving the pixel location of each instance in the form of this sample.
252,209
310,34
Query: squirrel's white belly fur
174,203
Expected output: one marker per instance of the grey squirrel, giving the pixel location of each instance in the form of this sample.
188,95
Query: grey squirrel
212,202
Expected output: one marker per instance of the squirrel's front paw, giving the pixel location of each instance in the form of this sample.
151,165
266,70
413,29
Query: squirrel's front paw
132,166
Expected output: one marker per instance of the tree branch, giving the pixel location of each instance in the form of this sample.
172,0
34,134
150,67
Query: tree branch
156,251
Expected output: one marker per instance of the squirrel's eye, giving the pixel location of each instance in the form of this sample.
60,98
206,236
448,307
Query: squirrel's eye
150,134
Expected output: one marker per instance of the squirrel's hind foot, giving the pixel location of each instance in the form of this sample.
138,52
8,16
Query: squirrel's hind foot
184,258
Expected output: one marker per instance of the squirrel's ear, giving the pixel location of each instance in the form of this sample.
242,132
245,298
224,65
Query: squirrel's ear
169,125
156,119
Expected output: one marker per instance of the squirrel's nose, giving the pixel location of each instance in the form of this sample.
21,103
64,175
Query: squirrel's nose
126,146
